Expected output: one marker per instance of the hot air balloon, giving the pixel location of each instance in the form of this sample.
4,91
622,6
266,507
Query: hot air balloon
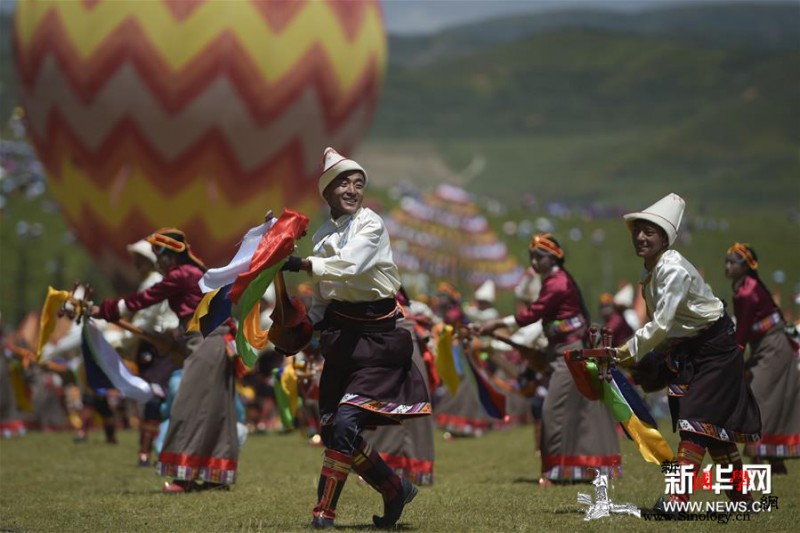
195,114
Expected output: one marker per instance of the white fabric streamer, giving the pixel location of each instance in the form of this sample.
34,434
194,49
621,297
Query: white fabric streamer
216,278
114,368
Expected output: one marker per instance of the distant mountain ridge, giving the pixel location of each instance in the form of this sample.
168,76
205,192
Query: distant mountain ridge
773,25
703,99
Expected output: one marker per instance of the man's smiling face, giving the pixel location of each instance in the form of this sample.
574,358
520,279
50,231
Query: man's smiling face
649,240
345,193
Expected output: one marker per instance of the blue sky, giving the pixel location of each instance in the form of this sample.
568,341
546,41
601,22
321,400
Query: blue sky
426,16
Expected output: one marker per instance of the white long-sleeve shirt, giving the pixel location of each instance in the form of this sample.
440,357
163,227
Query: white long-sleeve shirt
352,262
679,303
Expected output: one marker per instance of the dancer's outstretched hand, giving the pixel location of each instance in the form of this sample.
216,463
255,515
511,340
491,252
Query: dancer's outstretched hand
624,357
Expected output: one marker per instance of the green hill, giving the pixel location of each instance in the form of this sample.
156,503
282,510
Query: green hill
588,114
9,92
769,25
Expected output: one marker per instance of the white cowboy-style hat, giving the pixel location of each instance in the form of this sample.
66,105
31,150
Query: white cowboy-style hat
143,248
665,213
333,164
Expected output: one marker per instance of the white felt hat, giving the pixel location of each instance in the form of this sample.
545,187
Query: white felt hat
143,248
665,213
333,164
485,292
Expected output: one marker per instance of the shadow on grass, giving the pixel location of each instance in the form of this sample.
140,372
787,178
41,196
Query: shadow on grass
143,492
570,510
371,527
535,481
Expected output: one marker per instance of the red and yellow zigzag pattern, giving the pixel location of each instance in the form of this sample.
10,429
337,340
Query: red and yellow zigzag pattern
178,57
199,114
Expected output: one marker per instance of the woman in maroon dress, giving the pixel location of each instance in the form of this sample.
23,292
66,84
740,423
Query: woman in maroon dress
578,435
774,377
201,444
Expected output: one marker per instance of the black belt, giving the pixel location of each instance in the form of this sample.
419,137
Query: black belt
365,317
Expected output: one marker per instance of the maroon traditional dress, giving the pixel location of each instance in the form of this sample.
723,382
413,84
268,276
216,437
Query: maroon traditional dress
578,435
179,288
201,443
776,380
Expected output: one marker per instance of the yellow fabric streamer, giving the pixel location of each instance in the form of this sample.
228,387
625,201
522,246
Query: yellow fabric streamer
21,392
289,384
651,443
47,320
201,310
445,364
246,392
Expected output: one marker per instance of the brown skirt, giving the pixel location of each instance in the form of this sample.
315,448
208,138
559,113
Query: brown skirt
776,386
408,448
201,442
462,415
371,370
710,396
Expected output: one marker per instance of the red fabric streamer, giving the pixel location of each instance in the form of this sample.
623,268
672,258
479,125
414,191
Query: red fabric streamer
276,245
580,374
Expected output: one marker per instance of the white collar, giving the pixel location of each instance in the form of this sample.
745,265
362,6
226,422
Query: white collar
345,219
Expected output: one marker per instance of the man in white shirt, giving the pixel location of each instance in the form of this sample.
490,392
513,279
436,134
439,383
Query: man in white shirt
693,337
481,309
153,367
368,378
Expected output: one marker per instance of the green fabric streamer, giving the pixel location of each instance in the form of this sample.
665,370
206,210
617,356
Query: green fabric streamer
616,403
282,400
620,410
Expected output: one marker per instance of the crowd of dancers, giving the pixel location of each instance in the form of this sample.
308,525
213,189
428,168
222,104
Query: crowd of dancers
372,385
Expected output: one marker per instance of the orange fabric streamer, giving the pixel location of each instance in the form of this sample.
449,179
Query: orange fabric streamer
256,336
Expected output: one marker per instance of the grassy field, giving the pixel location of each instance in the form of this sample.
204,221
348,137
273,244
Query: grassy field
47,483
